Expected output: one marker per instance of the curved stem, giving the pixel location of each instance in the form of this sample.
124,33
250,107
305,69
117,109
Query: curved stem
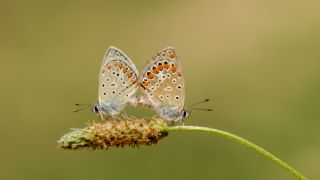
242,141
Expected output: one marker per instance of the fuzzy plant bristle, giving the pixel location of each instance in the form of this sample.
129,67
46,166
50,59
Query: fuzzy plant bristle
118,133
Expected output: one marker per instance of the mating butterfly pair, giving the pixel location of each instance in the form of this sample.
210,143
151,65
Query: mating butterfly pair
161,81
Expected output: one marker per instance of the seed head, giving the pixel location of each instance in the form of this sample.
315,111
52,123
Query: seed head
118,133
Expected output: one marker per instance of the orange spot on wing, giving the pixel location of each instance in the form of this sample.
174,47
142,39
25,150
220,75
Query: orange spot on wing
166,66
133,81
130,74
120,66
109,66
150,76
155,70
160,67
179,74
173,68
144,84
125,70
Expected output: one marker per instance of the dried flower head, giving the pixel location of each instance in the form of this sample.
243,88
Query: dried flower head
118,133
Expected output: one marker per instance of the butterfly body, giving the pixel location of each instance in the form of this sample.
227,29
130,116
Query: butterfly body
117,83
163,84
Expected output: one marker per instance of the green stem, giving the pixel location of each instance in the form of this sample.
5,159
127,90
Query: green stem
242,141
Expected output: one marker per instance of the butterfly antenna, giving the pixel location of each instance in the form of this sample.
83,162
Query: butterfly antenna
202,109
83,106
206,100
77,104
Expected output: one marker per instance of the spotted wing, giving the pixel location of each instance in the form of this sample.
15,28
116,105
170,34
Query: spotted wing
163,83
117,80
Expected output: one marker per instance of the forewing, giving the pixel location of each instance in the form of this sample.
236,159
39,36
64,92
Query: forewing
162,81
117,78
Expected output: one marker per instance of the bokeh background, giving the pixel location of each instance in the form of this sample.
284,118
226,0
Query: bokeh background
257,60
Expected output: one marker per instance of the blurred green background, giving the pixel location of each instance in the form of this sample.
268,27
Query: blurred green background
258,60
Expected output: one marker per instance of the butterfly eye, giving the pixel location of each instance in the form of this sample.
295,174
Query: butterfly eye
95,109
185,114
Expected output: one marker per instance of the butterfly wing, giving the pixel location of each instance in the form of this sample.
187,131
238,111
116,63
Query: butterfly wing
117,81
163,84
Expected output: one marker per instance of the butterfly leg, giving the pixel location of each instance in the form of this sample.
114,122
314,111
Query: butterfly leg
105,117
155,116
101,116
181,123
124,115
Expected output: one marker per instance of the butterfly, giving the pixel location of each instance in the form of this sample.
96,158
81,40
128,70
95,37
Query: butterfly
118,78
164,87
